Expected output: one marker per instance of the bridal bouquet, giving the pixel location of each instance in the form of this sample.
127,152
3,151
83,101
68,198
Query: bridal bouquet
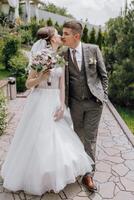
47,59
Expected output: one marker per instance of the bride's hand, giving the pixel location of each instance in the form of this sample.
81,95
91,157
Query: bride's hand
59,114
43,75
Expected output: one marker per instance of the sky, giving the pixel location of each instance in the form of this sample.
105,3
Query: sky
96,11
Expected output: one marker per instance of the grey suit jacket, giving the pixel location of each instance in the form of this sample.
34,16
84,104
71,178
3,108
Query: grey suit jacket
97,79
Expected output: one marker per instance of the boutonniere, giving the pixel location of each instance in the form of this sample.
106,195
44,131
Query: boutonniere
92,61
66,64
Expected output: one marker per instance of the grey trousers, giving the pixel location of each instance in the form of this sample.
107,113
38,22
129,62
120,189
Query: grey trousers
86,116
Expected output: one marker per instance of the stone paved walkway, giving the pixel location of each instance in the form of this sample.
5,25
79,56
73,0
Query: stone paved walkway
114,163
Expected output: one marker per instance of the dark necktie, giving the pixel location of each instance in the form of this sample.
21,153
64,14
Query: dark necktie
74,58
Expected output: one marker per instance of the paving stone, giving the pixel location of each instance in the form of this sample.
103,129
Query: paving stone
114,179
129,155
128,184
123,196
6,196
115,174
95,196
114,159
104,133
80,198
107,190
102,177
1,181
16,197
4,145
2,156
103,167
22,195
112,151
118,132
121,187
1,189
30,197
51,197
83,194
72,190
129,164
121,148
37,198
120,169
130,175
121,140
108,144
6,190
116,190
62,195
101,155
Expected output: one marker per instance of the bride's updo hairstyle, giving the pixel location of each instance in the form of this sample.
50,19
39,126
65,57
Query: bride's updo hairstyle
46,33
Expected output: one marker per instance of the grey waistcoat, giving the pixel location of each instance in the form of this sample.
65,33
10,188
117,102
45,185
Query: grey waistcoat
78,87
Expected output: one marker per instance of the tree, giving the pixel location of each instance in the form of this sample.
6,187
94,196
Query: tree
85,37
58,27
49,22
119,51
92,38
99,39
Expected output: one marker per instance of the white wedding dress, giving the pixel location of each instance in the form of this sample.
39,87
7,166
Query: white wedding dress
45,154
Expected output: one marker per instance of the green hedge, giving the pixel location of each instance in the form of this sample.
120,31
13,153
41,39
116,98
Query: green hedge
11,46
18,64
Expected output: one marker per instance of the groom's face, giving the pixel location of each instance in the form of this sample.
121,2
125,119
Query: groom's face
69,38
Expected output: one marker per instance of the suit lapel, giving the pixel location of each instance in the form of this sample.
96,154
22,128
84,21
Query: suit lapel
87,54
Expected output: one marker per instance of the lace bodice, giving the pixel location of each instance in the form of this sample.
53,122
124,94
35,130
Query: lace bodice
55,74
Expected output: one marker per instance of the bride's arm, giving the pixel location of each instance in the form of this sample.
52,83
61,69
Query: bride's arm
32,80
35,78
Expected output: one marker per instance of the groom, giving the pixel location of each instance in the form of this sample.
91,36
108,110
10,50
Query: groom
86,89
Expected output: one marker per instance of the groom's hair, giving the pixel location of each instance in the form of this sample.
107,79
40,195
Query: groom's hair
76,26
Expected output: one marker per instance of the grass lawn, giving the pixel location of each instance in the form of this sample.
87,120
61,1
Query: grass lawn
128,115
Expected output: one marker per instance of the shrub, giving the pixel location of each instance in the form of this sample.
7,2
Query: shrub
34,28
121,84
11,47
20,83
18,64
3,113
1,49
26,37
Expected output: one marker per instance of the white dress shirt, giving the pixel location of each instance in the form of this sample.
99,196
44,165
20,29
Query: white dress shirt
78,54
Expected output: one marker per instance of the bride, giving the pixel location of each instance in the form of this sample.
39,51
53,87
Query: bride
45,154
